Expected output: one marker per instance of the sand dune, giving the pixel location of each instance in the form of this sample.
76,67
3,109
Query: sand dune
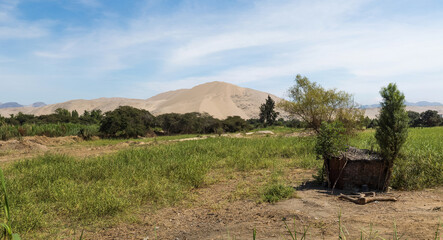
219,99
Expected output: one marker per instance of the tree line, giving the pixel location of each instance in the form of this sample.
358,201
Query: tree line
129,122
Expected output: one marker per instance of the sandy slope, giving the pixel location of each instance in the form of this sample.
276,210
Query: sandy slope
219,99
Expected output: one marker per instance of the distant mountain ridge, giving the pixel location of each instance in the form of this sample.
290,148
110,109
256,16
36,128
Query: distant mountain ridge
10,105
18,105
417,104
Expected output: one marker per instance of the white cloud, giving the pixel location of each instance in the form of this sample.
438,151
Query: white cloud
12,27
271,40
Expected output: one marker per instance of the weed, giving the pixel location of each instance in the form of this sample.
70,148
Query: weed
7,224
293,233
275,192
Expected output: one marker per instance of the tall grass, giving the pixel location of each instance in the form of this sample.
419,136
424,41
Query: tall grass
49,130
53,187
420,164
59,191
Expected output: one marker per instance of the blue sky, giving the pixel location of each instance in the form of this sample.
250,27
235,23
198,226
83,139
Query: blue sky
58,50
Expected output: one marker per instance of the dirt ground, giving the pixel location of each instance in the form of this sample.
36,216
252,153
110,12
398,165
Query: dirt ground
214,216
29,147
213,212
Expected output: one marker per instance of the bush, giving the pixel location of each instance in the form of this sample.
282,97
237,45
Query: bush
331,140
126,122
276,192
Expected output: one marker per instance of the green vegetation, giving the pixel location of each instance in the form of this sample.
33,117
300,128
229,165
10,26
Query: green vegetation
49,130
392,129
6,225
315,105
427,118
85,191
275,192
267,113
175,123
420,162
331,140
126,122
101,191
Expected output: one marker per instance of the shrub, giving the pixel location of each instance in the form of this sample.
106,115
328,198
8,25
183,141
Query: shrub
126,122
276,192
331,140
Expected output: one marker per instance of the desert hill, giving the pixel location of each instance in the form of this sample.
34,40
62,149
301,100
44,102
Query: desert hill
216,98
219,99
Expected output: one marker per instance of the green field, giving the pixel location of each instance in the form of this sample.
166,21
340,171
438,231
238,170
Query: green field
52,193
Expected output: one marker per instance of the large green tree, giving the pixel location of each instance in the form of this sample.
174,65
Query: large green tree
126,122
414,118
314,104
268,113
430,118
392,129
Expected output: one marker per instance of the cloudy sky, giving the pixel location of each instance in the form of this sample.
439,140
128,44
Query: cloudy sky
58,50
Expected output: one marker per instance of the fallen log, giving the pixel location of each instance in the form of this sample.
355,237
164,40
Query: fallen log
362,199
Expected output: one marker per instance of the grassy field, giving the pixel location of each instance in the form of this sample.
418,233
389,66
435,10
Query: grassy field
52,193
86,191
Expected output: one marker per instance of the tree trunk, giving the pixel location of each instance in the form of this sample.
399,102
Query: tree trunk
387,177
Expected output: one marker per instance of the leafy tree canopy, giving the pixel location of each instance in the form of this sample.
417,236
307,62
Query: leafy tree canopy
126,122
314,104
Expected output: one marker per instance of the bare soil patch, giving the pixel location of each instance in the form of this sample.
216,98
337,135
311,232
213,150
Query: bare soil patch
215,214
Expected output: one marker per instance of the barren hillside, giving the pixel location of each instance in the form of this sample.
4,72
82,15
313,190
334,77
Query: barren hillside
219,99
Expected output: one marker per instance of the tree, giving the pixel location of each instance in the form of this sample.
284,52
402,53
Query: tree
235,124
414,119
392,129
267,112
74,114
313,104
62,112
126,122
430,118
